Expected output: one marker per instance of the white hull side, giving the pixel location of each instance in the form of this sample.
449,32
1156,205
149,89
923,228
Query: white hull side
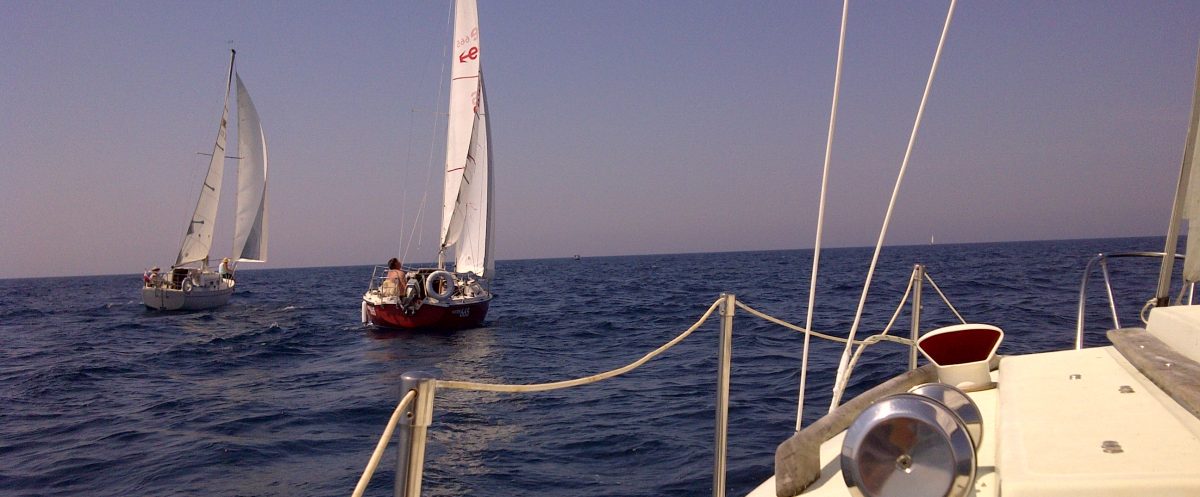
170,299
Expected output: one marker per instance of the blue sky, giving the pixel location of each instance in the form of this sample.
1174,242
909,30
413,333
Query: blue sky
619,127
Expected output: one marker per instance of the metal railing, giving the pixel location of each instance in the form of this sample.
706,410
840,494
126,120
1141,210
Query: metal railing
413,416
1102,260
378,274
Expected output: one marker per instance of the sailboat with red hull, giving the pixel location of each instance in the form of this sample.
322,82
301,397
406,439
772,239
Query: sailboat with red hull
454,294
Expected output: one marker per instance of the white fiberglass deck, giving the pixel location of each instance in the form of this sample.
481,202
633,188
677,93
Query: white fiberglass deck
1045,433
1059,410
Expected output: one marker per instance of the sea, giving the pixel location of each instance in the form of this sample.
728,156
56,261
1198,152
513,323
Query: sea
284,392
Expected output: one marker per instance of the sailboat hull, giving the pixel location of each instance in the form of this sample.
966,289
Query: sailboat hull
169,299
428,316
203,291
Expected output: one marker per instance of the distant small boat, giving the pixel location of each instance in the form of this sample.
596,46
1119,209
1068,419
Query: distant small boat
438,297
191,284
576,256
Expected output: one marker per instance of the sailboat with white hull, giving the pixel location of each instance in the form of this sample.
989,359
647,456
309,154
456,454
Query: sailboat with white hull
446,297
191,284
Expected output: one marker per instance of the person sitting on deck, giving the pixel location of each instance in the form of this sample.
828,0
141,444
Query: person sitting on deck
394,280
151,277
225,269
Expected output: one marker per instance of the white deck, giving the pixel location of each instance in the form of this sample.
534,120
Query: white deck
1049,439
1052,429
1178,327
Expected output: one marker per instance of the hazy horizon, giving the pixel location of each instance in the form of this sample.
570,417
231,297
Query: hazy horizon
618,128
599,256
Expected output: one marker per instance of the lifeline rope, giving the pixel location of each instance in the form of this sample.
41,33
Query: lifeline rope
788,325
410,396
541,387
839,385
812,286
382,445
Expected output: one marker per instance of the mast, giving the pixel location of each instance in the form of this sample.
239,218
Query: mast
1186,206
198,240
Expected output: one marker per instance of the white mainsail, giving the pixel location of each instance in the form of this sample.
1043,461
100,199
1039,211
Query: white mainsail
198,240
250,232
466,197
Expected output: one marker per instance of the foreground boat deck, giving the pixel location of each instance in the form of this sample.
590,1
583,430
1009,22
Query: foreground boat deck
1076,422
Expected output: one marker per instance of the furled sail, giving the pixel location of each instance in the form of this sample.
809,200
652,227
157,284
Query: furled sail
466,198
1190,203
198,240
1191,208
250,231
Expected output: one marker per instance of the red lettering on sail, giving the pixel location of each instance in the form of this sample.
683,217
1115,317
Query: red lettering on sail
468,38
472,54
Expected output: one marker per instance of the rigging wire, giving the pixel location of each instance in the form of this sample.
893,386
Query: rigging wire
414,231
812,287
840,382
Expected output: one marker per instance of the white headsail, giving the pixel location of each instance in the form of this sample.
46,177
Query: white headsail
466,198
250,232
1186,206
198,240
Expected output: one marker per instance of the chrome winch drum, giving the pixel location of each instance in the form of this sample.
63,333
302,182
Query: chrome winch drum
959,403
908,445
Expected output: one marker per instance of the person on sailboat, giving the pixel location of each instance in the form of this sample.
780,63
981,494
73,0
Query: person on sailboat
394,279
225,269
151,277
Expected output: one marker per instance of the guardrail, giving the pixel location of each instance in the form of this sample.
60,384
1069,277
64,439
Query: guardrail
413,415
1102,260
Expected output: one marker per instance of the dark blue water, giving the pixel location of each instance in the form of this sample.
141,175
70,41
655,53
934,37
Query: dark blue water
282,392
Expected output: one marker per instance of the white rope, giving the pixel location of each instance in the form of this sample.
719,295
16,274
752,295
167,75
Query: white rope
382,445
812,286
900,306
541,387
840,384
884,336
785,324
872,340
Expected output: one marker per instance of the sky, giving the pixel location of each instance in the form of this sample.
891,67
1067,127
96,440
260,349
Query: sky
618,127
